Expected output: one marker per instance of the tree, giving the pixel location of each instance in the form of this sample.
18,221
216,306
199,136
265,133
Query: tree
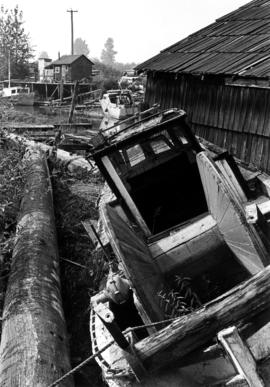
108,53
81,47
109,76
14,44
44,55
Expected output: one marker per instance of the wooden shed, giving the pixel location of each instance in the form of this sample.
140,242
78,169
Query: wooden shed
220,76
70,68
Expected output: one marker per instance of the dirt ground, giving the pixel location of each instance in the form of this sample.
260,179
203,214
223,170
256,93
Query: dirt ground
78,282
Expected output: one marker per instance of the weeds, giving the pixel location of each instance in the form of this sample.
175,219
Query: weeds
180,300
11,191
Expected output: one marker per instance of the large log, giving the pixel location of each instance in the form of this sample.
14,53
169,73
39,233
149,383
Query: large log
65,127
186,334
34,344
73,163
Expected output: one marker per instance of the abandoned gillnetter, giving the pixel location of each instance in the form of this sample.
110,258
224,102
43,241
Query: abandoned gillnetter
118,104
190,235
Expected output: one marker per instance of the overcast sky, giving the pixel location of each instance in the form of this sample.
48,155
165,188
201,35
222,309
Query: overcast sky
140,29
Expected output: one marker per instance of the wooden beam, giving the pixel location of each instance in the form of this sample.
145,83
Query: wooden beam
188,333
125,194
240,356
74,98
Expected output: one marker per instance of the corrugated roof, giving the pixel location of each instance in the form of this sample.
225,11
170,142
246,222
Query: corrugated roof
67,59
236,44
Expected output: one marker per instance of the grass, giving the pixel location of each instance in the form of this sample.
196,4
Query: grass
11,191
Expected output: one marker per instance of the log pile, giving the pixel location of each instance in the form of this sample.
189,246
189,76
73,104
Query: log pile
72,163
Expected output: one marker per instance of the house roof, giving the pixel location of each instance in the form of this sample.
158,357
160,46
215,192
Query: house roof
68,59
235,44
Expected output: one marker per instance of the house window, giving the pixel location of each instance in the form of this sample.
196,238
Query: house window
57,69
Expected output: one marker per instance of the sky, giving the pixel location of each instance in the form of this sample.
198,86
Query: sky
140,29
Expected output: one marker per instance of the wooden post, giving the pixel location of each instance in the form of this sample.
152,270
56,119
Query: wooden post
73,102
188,333
61,90
34,343
55,90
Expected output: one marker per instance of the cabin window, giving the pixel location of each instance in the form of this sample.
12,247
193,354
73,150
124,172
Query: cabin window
135,155
13,91
183,139
124,99
113,99
57,69
160,144
25,90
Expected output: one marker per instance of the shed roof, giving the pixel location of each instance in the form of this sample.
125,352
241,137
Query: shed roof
68,59
235,44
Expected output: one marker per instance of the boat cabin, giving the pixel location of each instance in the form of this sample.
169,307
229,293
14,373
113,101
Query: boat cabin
118,97
15,90
154,173
188,208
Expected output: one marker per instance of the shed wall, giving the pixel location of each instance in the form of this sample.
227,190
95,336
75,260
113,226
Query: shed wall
233,117
81,68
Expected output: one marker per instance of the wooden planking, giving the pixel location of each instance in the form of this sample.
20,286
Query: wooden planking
182,236
240,237
231,180
240,356
122,189
237,307
217,110
136,258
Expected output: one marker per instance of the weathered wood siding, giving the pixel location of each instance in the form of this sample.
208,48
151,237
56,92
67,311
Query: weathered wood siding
81,68
234,117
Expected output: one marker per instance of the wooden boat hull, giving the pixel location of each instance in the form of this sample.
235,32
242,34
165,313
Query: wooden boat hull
208,367
221,336
22,99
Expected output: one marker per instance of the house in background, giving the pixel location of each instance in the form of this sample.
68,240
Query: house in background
70,68
220,77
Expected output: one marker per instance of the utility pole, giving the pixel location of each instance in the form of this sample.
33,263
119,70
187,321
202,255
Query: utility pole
71,16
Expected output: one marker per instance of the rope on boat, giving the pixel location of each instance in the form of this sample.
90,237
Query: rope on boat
87,360
79,366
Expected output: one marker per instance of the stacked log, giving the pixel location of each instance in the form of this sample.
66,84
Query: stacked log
72,163
34,346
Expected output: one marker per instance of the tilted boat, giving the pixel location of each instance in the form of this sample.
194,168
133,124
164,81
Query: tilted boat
118,104
19,95
186,301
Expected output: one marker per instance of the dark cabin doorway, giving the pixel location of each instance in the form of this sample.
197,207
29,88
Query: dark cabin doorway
170,193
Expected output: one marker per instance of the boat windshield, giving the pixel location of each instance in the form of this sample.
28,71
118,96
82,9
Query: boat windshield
120,99
23,90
